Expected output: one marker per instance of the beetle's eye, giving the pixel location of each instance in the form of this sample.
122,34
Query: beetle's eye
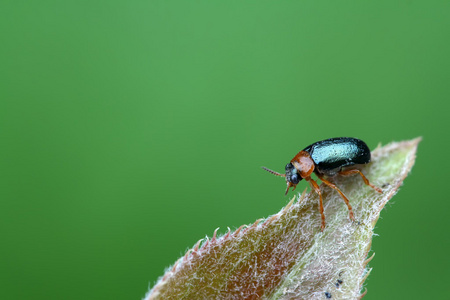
295,178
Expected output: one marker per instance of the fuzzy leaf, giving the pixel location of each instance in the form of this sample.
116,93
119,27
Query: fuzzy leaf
286,256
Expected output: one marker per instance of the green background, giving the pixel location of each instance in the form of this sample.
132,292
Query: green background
131,129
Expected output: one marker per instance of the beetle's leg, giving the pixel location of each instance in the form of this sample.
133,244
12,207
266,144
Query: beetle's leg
366,181
333,186
316,187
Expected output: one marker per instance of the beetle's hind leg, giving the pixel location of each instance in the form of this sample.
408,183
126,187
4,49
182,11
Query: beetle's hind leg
366,181
333,186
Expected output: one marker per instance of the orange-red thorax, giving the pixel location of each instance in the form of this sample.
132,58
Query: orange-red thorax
303,163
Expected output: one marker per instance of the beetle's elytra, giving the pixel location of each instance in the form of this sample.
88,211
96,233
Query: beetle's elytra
327,158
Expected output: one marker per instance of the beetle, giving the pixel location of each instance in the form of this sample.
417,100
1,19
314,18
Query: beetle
328,158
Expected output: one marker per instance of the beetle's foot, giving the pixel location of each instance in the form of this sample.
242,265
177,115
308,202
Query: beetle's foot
351,216
378,189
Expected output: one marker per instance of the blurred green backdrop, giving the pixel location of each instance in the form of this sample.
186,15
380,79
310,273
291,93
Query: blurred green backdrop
131,129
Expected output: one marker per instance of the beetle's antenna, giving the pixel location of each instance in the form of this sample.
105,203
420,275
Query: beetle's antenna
273,172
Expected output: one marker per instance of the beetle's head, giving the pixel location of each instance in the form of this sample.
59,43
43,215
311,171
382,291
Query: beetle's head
292,176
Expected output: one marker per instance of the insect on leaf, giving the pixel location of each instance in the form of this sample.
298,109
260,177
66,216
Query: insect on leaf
286,256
